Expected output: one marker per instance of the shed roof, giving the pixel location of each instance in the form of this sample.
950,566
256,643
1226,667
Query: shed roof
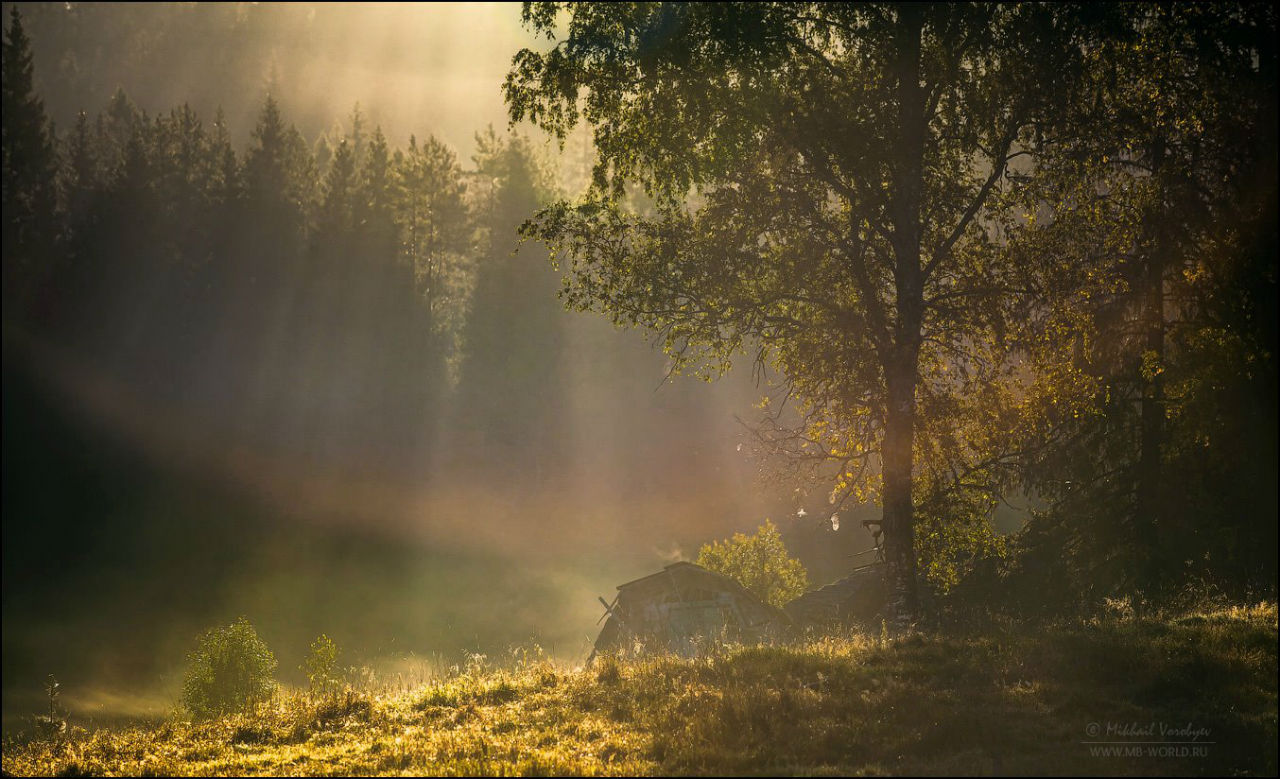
666,569
691,568
726,582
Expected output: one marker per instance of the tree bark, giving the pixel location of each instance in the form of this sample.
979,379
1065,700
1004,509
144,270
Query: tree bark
901,360
1150,469
898,519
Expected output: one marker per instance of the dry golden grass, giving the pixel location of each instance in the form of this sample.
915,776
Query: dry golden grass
1001,699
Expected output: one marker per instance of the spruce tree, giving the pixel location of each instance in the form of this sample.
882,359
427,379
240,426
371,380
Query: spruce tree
29,176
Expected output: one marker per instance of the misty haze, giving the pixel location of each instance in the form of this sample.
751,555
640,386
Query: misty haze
478,388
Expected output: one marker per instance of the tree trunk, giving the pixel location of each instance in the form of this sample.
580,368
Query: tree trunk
1150,470
901,363
898,520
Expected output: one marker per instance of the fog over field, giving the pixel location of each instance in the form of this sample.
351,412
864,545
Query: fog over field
151,491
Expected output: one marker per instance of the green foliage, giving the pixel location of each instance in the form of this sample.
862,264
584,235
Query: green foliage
229,670
1061,265
861,270
1153,433
321,665
955,537
760,563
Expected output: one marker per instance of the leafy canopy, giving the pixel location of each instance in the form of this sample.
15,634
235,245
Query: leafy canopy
823,180
758,562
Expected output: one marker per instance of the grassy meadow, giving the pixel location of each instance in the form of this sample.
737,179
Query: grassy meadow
1003,699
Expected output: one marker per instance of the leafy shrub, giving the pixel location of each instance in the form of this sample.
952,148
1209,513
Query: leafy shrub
230,670
758,562
321,665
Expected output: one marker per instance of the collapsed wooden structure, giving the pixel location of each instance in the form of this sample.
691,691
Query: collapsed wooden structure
683,606
857,598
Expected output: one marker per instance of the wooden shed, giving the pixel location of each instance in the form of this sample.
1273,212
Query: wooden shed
857,599
682,605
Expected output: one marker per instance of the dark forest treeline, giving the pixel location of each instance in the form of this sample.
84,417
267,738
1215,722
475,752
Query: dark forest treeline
343,304
311,297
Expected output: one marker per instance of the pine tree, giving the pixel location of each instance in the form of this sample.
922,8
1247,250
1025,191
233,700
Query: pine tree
376,192
29,176
433,211
511,380
336,217
80,176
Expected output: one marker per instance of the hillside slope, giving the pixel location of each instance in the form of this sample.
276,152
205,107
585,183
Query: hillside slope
1007,699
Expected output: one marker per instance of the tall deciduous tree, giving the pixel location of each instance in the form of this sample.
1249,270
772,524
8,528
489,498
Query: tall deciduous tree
823,176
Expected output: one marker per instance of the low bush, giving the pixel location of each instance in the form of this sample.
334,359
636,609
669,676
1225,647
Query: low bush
230,670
